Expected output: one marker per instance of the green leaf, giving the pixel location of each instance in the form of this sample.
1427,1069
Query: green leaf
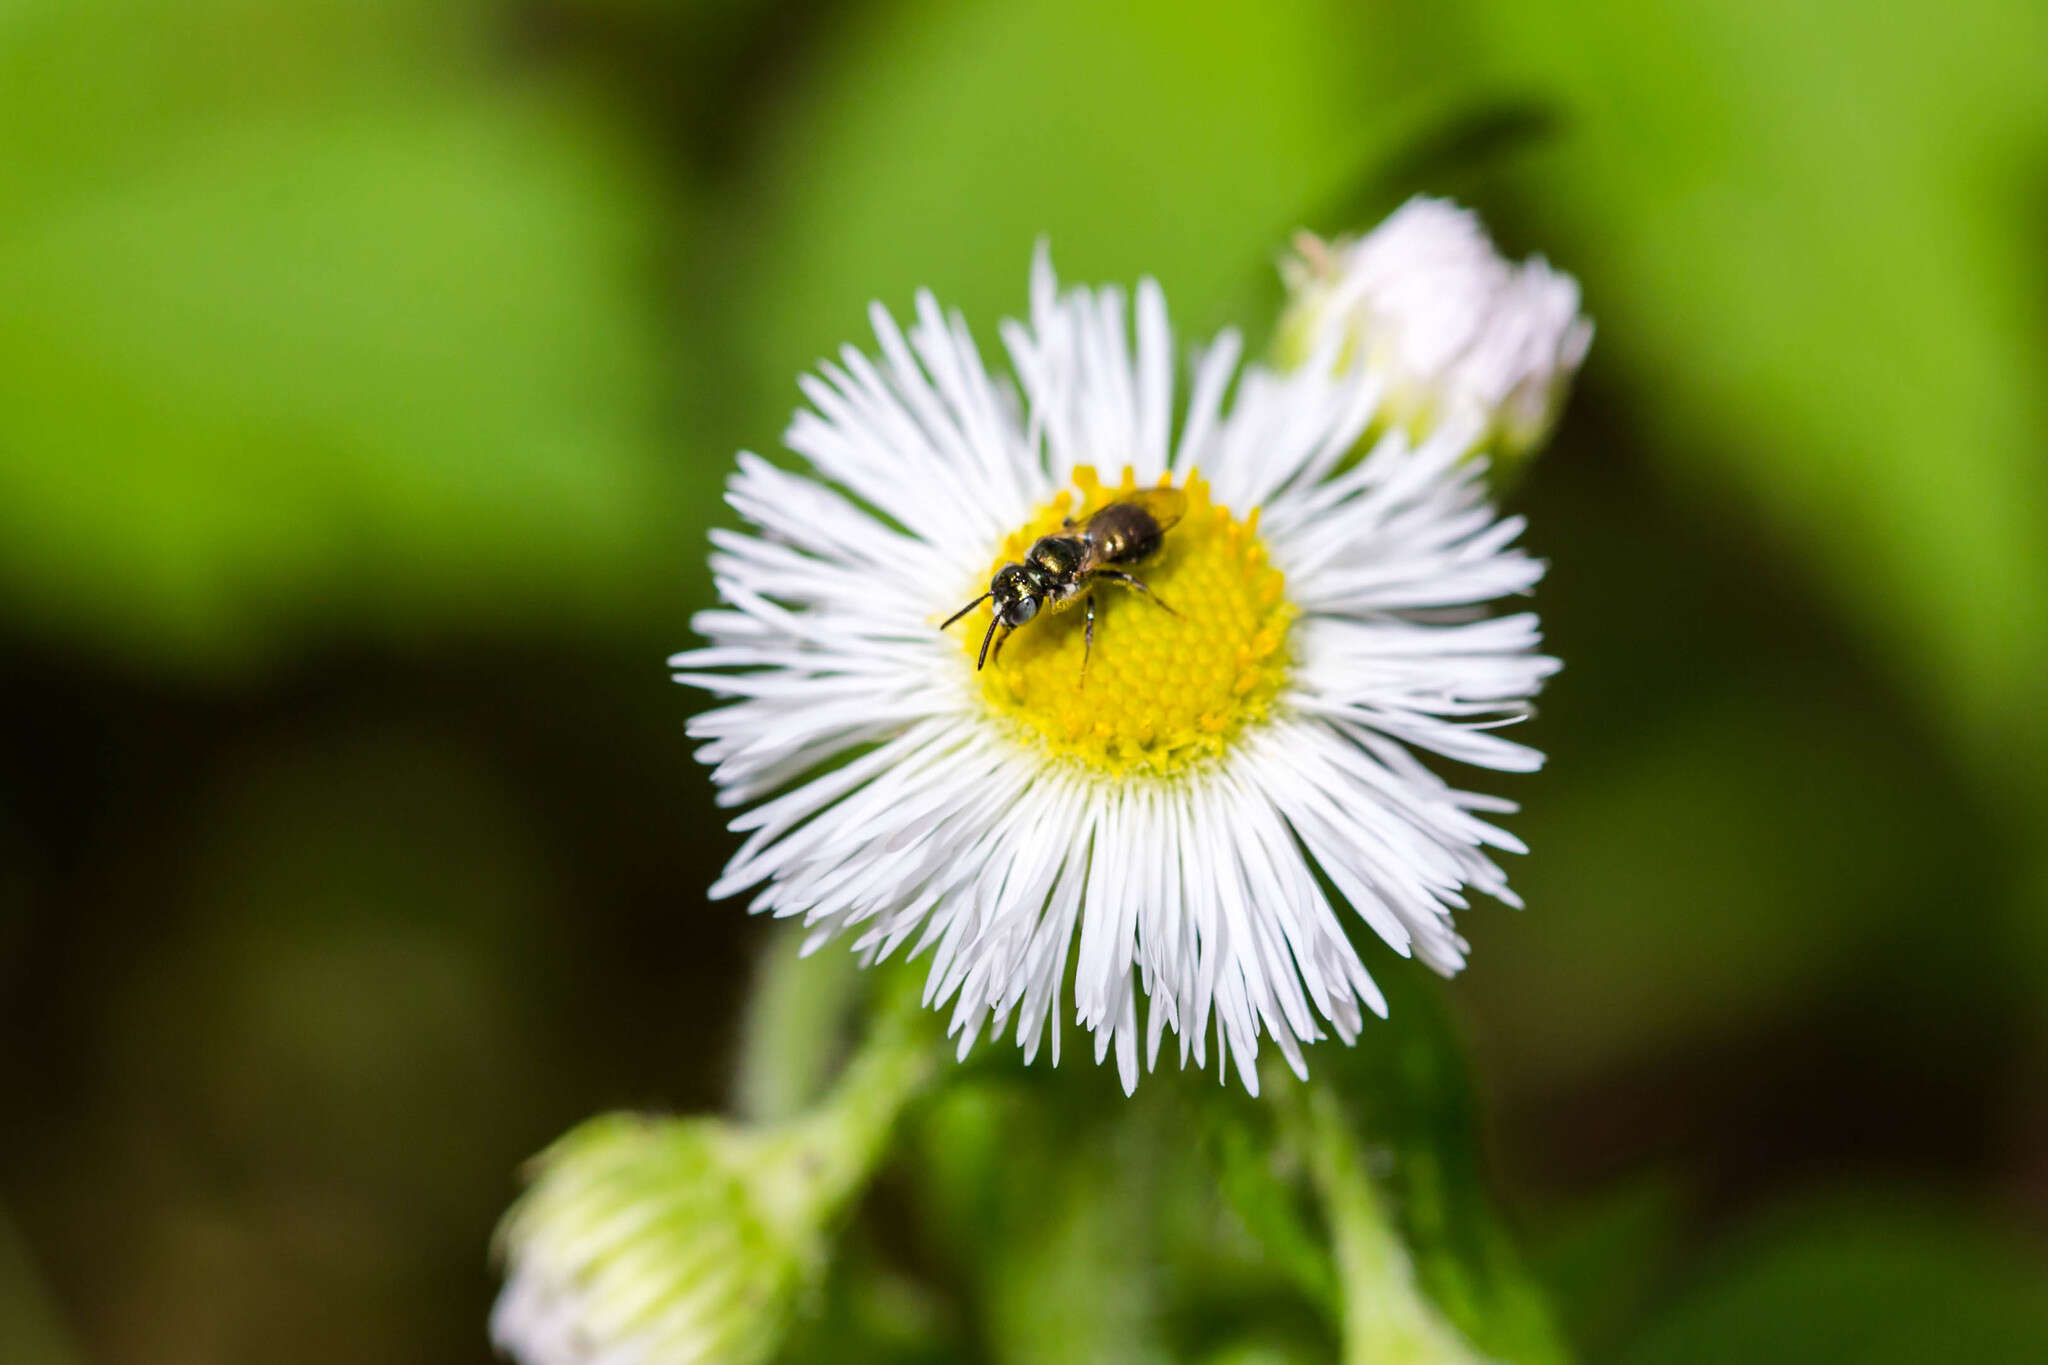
938,141
321,347
1810,236
1604,1256
1879,1282
871,1313
1408,1094
1682,882
1044,1198
1182,1218
1038,1187
1261,1181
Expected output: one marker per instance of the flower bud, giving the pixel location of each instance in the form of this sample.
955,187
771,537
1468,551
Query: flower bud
656,1240
1427,306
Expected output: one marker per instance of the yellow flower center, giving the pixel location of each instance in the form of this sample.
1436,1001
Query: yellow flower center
1163,688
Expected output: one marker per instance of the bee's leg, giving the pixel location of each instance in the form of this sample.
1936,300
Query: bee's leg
1123,579
1087,632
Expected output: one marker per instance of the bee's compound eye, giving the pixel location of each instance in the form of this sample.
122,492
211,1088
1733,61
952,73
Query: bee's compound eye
1022,610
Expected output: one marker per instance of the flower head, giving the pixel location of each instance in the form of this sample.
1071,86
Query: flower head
1431,306
1165,821
648,1240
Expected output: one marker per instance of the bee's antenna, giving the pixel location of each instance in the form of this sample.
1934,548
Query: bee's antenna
964,610
984,644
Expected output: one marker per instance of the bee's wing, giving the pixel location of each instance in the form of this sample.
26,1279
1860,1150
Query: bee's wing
1164,505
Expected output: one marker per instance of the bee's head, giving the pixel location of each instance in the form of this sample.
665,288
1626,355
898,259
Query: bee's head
1015,594
1017,591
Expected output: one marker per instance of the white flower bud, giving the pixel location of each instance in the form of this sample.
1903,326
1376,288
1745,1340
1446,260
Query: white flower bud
656,1240
1452,328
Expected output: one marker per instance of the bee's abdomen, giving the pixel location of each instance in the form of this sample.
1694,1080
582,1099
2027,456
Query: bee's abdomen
1124,534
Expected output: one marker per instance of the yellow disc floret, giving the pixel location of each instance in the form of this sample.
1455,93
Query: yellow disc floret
1163,688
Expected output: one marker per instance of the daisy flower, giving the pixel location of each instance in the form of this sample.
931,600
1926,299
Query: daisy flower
1453,327
1188,824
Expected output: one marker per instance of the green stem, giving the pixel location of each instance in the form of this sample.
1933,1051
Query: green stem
806,1170
894,1063
1387,1320
794,1029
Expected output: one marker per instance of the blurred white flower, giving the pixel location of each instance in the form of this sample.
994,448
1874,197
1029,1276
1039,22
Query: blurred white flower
1165,823
1453,329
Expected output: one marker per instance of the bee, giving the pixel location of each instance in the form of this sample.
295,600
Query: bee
1061,569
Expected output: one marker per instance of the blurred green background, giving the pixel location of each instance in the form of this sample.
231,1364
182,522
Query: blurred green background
368,373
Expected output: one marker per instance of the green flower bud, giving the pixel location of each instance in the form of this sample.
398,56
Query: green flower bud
653,1241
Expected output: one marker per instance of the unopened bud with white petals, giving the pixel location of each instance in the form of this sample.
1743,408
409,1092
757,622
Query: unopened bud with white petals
1428,307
